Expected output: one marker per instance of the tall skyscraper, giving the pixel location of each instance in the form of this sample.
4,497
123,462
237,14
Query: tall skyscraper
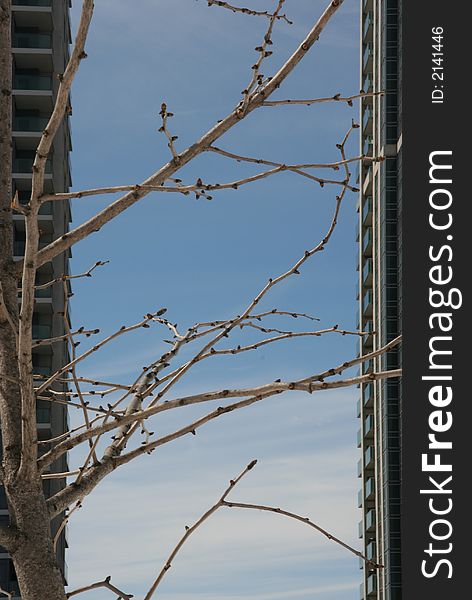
40,49
380,295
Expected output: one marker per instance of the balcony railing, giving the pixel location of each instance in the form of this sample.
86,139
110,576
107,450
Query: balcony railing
369,488
43,411
19,246
368,426
367,303
44,209
371,584
361,529
368,395
368,340
45,371
368,22
367,241
30,123
368,456
371,551
367,210
367,272
32,40
25,165
41,332
367,118
32,82
32,3
367,55
367,184
367,85
370,520
43,293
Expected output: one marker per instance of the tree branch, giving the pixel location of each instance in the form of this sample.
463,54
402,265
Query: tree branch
307,521
29,263
106,583
222,502
248,11
284,336
64,522
124,329
71,494
260,161
310,384
174,378
165,172
195,526
200,188
5,593
257,77
336,98
172,138
62,278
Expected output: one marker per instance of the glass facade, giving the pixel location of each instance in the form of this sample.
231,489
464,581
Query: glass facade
380,294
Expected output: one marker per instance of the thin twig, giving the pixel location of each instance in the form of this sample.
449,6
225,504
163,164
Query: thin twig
249,11
200,188
307,521
60,475
194,527
17,206
88,273
66,336
67,496
254,394
209,138
336,98
74,356
64,522
263,393
127,430
295,167
165,115
124,329
7,594
222,502
106,583
257,77
284,336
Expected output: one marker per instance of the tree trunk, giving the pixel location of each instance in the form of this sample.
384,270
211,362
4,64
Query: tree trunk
29,539
39,576
9,389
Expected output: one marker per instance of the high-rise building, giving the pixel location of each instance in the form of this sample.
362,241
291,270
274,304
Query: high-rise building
40,50
379,266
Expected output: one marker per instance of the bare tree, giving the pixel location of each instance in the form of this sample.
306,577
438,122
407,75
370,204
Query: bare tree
28,538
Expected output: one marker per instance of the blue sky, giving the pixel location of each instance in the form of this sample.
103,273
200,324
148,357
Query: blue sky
206,260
